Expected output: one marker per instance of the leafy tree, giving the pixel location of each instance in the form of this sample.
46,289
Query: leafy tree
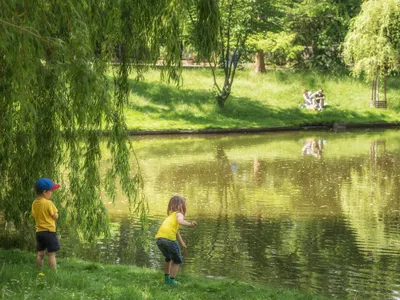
320,27
372,44
268,40
56,98
279,48
235,20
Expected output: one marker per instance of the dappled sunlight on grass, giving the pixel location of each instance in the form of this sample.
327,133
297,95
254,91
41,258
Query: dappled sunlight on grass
257,100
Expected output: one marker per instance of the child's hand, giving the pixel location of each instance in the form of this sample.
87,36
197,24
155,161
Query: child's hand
193,224
184,247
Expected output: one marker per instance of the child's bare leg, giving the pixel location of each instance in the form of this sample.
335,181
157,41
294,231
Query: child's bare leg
40,259
52,260
174,269
167,267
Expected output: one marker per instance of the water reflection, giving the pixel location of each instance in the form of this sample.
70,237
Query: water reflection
316,212
313,147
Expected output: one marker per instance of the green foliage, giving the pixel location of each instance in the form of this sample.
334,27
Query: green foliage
372,43
55,99
259,100
311,31
237,20
320,27
280,48
203,26
47,68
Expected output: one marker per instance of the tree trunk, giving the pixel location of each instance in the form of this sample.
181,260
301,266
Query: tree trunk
375,91
375,102
221,98
260,64
384,88
372,102
377,87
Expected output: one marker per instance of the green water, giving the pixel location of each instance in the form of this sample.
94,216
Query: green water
317,211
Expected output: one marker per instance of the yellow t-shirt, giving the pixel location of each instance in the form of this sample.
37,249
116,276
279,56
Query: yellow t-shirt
169,227
43,211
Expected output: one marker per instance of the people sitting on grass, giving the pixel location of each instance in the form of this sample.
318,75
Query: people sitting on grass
307,98
313,101
318,99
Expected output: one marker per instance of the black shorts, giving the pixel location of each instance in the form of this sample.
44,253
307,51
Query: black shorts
170,250
47,240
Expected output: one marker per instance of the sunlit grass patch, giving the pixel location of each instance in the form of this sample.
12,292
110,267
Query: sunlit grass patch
257,100
20,279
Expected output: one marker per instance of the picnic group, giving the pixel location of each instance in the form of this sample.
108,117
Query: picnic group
313,101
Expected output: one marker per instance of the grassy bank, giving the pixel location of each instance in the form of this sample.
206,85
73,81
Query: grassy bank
75,279
257,100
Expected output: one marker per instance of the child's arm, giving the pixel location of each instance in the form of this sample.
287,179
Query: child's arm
182,221
53,211
180,240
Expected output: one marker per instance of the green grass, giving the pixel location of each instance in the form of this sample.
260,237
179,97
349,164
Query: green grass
75,279
257,100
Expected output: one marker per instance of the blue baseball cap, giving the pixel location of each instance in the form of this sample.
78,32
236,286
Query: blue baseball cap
45,184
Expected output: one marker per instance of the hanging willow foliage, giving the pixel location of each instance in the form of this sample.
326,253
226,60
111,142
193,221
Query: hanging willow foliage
59,93
372,44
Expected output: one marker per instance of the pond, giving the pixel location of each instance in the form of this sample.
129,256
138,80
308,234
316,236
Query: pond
315,211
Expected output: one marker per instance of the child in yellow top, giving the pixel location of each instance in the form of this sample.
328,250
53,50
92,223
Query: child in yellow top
45,213
167,235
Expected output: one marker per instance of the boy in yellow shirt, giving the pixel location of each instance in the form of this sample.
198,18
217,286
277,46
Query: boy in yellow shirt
45,213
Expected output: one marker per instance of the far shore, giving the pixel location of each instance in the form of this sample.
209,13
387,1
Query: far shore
267,102
334,127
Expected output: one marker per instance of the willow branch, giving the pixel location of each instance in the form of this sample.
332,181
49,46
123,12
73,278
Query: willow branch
214,76
20,28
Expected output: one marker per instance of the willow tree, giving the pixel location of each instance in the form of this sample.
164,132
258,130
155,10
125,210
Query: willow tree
58,94
372,45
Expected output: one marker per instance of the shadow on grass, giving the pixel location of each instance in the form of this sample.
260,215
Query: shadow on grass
393,83
198,108
168,96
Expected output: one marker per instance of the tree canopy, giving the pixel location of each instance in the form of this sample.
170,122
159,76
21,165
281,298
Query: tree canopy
301,33
64,68
320,26
59,92
373,41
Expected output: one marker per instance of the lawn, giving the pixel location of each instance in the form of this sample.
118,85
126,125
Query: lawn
76,279
257,100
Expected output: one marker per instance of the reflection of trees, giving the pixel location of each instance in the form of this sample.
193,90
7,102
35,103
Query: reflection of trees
371,206
277,219
128,244
373,202
213,179
309,183
301,253
133,243
218,241
259,168
224,187
315,252
224,177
